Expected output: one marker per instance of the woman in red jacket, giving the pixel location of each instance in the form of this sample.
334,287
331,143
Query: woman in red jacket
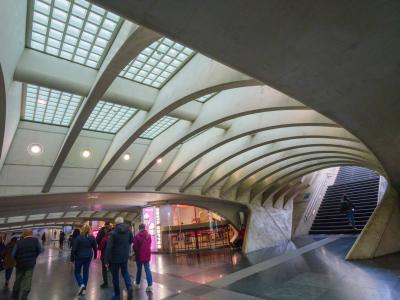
141,245
102,248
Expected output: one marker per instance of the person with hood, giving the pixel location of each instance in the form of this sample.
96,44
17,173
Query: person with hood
43,238
9,261
347,207
83,250
103,248
25,253
117,255
142,246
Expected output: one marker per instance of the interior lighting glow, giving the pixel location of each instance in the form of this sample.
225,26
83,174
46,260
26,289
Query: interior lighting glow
35,149
127,156
159,160
86,154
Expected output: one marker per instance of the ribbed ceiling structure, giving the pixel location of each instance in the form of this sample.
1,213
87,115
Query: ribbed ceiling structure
113,106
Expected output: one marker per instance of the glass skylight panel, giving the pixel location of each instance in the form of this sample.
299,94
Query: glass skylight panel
158,127
86,214
109,117
36,217
75,30
50,106
16,219
205,98
71,214
55,215
157,63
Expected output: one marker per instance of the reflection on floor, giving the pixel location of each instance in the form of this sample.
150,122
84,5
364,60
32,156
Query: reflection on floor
307,268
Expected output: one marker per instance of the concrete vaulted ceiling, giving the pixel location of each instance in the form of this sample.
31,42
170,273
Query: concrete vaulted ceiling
250,139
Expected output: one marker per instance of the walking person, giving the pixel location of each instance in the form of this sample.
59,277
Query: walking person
9,261
25,253
117,255
142,247
347,207
43,238
102,232
62,239
103,248
83,250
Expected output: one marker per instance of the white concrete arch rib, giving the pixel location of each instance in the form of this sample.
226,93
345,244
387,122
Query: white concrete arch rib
242,126
131,42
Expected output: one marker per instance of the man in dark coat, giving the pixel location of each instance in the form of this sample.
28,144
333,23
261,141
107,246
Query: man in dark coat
25,253
117,255
347,207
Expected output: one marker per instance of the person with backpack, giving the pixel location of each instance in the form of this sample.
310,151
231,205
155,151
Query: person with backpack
9,261
25,253
117,255
347,207
103,248
83,250
142,247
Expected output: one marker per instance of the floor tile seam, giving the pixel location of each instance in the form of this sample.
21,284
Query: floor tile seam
233,277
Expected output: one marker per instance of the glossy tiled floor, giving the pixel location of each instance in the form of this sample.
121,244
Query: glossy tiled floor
302,269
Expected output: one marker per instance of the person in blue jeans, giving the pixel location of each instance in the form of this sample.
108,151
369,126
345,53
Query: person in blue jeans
142,246
347,207
117,255
83,250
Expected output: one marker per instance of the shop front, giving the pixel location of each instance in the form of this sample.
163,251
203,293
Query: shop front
179,228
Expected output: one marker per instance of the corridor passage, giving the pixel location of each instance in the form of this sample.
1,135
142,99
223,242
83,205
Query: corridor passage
307,268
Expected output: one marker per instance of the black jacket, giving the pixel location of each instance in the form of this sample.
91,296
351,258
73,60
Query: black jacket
26,251
118,244
84,247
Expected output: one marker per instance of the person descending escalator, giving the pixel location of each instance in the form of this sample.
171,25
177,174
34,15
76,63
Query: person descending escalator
348,208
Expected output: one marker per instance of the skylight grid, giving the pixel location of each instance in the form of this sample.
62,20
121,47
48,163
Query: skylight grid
205,98
157,63
75,30
50,106
109,117
158,127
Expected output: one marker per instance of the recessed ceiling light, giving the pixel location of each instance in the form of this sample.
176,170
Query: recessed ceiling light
35,149
86,154
127,156
159,160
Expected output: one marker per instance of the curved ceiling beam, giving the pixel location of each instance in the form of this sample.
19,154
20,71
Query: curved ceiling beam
242,101
259,184
257,166
268,175
242,126
282,191
293,175
211,76
296,190
229,158
127,46
2,110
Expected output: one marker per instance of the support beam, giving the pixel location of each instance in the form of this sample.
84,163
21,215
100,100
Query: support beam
181,89
126,47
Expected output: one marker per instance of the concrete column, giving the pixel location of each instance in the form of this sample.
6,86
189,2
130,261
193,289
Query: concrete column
267,226
381,234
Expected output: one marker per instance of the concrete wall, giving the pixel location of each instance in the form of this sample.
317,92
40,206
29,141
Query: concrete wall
267,226
305,210
381,234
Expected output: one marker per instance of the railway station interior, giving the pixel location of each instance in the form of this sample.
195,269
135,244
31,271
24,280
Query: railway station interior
255,144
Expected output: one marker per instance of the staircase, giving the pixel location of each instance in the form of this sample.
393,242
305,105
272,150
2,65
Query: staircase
361,186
